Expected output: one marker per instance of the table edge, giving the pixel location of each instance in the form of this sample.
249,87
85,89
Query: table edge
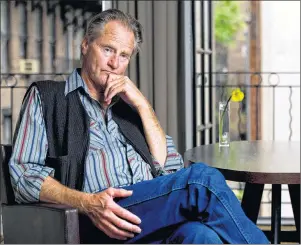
260,178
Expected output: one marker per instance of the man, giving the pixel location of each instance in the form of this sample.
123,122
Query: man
94,143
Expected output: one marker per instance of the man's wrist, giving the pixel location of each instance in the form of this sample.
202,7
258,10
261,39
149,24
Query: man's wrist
77,199
143,105
84,200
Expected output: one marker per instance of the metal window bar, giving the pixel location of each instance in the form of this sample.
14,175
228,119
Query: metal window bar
203,95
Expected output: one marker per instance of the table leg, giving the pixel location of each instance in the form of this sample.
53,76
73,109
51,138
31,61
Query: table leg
251,200
276,213
294,191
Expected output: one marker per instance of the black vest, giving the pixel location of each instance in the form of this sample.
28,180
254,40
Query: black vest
67,129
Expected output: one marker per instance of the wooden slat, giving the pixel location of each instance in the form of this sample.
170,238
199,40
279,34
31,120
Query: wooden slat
255,66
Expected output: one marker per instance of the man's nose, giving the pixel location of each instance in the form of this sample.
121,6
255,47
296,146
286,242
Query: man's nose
114,62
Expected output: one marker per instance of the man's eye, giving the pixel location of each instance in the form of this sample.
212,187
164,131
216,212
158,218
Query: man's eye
124,56
107,50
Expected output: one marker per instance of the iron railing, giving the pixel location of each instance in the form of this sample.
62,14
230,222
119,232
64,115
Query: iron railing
266,84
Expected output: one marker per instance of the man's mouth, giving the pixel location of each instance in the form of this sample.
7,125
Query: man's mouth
108,72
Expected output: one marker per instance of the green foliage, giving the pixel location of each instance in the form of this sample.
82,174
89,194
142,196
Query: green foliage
238,194
228,21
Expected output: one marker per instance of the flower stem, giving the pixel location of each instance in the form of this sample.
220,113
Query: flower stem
221,119
226,106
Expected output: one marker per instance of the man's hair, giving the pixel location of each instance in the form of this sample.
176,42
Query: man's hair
96,25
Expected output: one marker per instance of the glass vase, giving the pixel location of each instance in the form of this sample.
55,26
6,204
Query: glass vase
224,124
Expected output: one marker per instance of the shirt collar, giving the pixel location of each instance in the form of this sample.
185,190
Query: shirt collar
75,81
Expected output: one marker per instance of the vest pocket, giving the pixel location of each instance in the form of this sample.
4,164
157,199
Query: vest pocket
61,168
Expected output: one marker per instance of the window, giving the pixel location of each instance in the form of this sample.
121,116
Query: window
52,39
7,126
78,33
69,39
204,106
4,36
23,29
38,32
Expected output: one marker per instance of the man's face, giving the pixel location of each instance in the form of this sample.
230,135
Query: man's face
109,53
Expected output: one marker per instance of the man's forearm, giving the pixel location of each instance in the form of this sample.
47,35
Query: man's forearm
154,133
54,192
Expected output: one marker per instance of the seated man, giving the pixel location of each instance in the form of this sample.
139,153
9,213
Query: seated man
94,143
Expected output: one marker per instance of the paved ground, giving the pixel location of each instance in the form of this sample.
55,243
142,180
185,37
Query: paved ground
283,228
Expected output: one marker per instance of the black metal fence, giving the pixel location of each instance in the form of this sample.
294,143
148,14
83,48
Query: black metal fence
257,87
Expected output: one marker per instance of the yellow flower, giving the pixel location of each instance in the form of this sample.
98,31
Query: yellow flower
237,95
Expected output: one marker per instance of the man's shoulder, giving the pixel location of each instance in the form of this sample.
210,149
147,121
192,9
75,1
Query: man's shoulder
48,91
48,88
49,85
44,87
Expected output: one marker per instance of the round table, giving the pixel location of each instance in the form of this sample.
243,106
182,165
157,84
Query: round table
257,163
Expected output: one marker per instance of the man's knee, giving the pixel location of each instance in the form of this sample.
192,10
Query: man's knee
195,232
206,170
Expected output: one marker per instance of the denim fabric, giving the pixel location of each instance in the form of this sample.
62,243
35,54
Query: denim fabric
193,232
195,194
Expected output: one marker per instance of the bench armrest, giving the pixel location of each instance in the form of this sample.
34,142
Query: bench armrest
40,223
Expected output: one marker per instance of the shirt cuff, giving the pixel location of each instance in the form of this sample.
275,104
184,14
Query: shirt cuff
29,186
173,163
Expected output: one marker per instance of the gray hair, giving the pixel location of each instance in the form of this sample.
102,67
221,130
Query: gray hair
96,25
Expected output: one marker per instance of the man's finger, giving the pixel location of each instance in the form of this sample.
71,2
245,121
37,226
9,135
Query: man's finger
114,192
109,233
125,214
115,85
109,84
124,225
104,86
114,91
115,231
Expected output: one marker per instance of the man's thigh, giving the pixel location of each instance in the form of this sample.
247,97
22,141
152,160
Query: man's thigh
165,201
163,185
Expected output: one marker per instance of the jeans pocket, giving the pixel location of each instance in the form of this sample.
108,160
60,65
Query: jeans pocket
61,166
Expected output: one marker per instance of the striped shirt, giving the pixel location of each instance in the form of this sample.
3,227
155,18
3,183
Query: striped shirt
111,161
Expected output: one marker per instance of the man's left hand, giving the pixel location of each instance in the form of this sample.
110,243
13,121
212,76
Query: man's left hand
125,88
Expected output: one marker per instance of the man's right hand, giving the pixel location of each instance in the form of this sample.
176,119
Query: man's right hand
115,221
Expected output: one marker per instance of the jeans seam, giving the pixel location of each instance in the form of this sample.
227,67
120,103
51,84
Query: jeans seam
238,224
176,188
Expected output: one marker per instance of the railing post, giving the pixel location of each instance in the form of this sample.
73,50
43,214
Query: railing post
273,85
290,113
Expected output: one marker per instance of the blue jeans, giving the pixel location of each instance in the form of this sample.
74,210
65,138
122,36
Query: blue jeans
193,205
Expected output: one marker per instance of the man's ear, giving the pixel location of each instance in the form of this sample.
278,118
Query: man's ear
84,46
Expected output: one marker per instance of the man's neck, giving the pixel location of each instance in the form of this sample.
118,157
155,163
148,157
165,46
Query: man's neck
93,91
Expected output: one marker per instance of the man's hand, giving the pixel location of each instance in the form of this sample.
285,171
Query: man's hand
115,221
125,88
109,217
